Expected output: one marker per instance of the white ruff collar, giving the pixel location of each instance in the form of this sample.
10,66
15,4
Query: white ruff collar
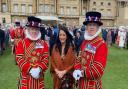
87,37
29,36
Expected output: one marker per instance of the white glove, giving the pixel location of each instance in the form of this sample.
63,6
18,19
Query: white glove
35,72
12,40
77,74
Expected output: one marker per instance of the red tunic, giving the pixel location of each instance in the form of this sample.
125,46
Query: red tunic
29,56
17,35
92,61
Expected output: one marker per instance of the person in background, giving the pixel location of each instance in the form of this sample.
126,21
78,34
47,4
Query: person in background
6,37
17,34
71,31
53,37
109,38
78,40
62,60
113,36
104,34
122,37
11,40
83,29
127,39
91,62
32,57
2,40
43,32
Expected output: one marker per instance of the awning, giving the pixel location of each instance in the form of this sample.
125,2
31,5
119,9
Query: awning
49,18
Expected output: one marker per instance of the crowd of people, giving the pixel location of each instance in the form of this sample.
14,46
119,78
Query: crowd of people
75,53
111,36
118,36
49,33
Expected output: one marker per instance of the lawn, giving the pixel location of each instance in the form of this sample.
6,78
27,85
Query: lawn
116,73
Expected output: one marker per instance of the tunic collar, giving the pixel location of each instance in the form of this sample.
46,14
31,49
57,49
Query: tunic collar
33,39
87,37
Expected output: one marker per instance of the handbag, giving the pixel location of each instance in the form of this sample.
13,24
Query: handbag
67,81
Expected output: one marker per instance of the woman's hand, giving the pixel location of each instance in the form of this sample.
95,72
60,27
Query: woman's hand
60,73
63,73
56,70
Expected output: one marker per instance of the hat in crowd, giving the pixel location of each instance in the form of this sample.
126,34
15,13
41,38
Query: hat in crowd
17,23
94,17
33,22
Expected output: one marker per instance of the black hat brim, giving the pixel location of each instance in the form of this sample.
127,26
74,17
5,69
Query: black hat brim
98,22
33,26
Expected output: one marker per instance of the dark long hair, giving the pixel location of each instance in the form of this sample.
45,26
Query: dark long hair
69,41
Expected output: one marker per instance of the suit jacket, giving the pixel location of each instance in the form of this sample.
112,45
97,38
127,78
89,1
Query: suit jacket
2,35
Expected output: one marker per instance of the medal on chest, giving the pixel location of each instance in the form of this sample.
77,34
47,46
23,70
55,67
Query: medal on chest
38,45
90,48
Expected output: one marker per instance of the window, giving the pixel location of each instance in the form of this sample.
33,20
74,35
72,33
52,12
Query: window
109,12
101,9
42,8
102,12
15,8
23,8
4,7
109,4
122,3
74,12
102,3
30,8
68,10
61,10
94,3
93,9
52,8
47,8
108,9
84,11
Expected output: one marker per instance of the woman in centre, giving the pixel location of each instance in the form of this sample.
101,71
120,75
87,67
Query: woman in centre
62,60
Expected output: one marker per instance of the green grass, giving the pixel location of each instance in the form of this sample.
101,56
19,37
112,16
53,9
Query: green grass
116,73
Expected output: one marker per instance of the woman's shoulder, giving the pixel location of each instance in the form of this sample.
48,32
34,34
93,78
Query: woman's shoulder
54,48
71,48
